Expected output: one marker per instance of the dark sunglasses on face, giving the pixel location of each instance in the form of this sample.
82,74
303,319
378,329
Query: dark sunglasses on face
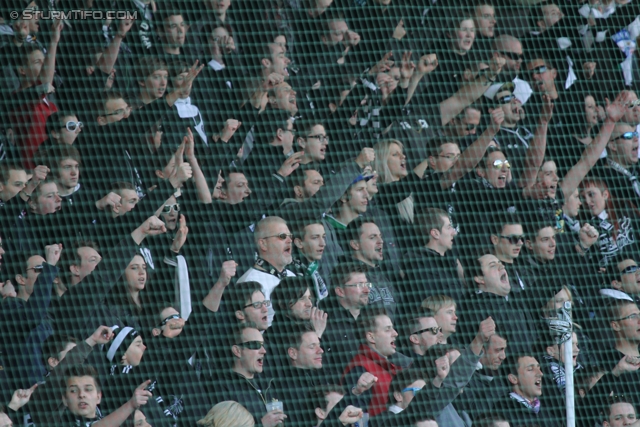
630,269
514,240
252,345
434,331
512,56
628,136
36,268
168,208
170,318
72,126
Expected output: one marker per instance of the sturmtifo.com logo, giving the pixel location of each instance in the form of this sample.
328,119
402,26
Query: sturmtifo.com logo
30,14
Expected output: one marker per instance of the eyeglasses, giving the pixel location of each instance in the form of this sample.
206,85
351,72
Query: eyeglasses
168,208
434,331
118,112
415,390
170,318
321,138
634,316
628,136
73,126
252,345
505,99
630,270
538,70
453,157
281,236
36,268
359,285
512,56
498,164
514,240
259,304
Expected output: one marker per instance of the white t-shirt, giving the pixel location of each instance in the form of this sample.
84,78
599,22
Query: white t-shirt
268,282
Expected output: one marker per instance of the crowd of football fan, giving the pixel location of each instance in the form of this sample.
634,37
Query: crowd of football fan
306,212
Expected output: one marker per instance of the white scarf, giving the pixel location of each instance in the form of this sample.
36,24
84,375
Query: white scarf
621,169
186,110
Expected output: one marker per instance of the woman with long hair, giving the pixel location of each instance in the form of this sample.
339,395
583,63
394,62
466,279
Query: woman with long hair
614,227
127,299
393,206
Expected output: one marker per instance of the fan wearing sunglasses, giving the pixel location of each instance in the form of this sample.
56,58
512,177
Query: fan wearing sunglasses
424,333
274,242
63,127
34,277
508,239
622,162
625,276
514,138
245,383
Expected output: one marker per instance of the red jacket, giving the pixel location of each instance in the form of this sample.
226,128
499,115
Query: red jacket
380,367
29,120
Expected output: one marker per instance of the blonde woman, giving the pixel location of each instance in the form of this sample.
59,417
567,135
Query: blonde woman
395,184
227,414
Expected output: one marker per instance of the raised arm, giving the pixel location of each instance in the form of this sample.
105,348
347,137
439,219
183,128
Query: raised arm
470,157
538,146
110,54
140,398
591,154
467,95
49,67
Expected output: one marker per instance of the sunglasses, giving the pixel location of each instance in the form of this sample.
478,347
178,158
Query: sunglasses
36,268
498,164
281,236
73,126
505,99
514,240
259,304
628,136
170,318
435,331
512,56
168,208
252,345
630,269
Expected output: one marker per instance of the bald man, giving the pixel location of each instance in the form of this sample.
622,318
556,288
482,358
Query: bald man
510,48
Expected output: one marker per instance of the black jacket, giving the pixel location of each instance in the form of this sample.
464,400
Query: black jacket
82,309
428,273
481,393
340,340
510,314
254,394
